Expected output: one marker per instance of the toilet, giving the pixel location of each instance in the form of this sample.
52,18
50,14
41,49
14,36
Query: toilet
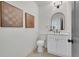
41,44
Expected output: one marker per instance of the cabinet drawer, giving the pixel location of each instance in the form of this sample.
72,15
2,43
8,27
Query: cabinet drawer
57,37
61,37
50,37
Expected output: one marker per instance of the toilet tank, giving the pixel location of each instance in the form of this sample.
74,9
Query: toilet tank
42,36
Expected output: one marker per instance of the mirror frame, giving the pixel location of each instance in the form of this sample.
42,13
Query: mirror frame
63,20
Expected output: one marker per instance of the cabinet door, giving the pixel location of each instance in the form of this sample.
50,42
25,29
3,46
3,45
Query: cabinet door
51,44
62,46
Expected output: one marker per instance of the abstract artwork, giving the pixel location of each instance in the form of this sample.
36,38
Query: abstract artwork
11,16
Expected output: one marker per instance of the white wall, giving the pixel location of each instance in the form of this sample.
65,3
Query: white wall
19,42
47,11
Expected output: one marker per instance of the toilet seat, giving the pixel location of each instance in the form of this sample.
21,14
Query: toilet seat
40,43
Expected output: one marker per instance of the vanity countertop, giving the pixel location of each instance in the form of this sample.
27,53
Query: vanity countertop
52,33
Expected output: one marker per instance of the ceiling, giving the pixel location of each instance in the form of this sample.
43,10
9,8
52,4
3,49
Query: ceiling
42,3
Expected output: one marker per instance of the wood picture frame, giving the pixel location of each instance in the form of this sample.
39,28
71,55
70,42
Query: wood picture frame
11,16
29,20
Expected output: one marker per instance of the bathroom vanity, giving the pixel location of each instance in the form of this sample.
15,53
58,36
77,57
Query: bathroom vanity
58,39
58,44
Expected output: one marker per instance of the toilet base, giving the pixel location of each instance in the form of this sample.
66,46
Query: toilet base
40,49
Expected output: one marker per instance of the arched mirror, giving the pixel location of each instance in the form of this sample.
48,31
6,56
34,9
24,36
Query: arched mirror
57,21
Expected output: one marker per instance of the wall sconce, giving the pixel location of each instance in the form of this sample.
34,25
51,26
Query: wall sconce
57,3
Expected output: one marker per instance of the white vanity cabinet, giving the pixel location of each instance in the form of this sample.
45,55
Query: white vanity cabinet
61,45
51,44
58,45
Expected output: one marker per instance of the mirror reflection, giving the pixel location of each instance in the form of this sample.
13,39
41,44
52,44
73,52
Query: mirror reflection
57,21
